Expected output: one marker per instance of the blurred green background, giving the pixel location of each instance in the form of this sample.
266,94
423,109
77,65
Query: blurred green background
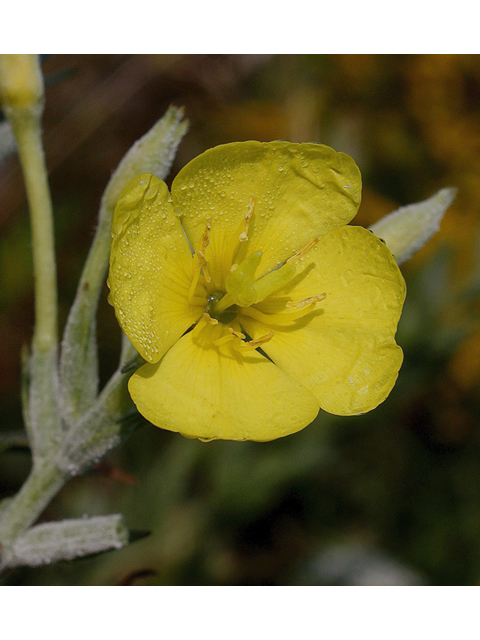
392,497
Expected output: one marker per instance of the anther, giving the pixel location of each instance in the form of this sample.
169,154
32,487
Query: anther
202,247
297,256
237,334
205,239
240,236
243,237
203,265
251,345
202,323
200,263
302,303
223,340
259,341
284,318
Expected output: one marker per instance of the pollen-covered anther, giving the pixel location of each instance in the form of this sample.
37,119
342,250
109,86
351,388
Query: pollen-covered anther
199,265
205,239
259,341
203,265
240,236
243,237
299,255
283,318
237,334
223,340
303,303
203,243
251,345
232,335
202,323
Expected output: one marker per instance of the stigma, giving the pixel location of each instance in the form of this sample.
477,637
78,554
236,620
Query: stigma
236,297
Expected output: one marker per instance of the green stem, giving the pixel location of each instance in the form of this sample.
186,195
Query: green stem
44,481
26,125
44,422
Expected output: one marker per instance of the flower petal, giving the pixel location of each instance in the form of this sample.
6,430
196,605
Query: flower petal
211,392
344,351
299,191
150,268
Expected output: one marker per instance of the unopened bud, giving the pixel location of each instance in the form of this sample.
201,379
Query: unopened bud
21,82
407,229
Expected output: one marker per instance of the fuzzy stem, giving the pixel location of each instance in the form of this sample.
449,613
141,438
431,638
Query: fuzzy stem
43,483
26,126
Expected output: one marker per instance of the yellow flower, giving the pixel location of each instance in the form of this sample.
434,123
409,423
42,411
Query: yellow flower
281,309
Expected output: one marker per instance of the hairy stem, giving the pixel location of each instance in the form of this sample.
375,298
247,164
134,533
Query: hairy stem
44,482
29,141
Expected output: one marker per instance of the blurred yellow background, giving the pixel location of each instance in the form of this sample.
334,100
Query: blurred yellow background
392,497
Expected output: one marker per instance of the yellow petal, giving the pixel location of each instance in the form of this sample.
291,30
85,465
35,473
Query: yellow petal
299,191
211,392
150,268
344,351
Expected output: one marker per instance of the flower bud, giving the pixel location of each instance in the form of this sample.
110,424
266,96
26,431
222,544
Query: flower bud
21,82
407,229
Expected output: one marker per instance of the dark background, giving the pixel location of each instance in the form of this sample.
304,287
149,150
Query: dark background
392,497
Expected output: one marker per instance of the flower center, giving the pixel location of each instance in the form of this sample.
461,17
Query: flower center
227,316
241,291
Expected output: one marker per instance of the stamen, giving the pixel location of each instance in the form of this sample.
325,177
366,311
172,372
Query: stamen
199,262
203,264
251,345
237,334
297,256
248,218
223,339
195,276
256,343
202,323
239,236
278,318
193,283
302,303
204,241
